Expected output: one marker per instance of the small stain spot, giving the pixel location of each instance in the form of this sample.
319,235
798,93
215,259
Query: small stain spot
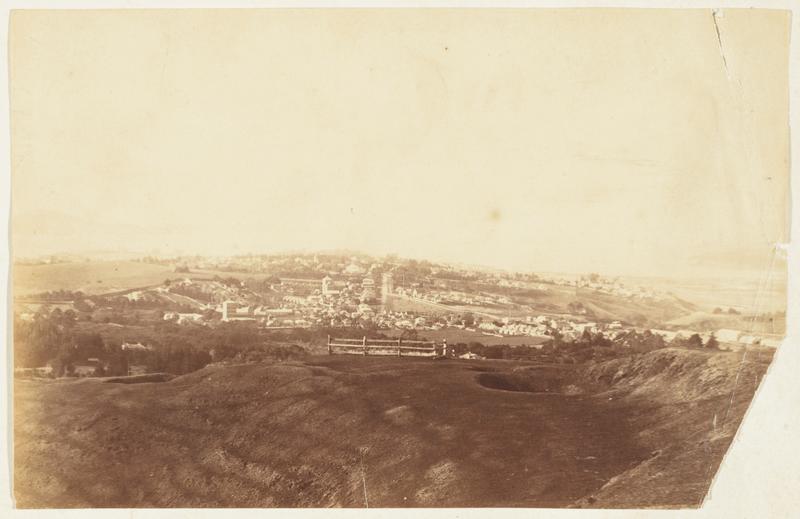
494,215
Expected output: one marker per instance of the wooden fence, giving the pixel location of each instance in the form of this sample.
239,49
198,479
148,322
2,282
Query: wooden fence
396,347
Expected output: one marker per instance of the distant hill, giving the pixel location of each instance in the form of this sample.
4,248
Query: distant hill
707,321
605,306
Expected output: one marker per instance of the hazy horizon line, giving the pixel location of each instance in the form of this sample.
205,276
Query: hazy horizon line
700,273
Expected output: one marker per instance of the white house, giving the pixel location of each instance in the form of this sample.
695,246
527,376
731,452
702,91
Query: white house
725,335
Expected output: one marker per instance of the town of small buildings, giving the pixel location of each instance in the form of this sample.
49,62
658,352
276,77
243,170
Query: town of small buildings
304,291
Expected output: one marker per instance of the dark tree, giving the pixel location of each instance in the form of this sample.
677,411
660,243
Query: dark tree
469,319
411,335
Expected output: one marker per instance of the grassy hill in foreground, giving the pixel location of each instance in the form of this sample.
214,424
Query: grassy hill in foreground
353,431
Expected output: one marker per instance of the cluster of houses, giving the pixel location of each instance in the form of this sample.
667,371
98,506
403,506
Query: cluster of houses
527,285
356,291
543,326
183,318
360,301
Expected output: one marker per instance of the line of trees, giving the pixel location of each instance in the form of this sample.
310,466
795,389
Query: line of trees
589,346
59,295
53,341
58,340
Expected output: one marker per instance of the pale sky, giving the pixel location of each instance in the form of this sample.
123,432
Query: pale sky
616,141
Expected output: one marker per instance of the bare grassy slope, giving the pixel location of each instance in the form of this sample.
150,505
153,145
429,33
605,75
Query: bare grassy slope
352,431
687,407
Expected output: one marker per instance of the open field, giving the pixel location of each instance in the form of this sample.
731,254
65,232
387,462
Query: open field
101,277
357,431
96,277
407,304
556,302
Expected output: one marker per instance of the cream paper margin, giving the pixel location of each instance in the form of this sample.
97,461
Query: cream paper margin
759,476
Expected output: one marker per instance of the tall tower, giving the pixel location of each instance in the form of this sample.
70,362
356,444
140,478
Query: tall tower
228,310
387,289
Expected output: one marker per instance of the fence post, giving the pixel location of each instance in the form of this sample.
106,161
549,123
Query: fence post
364,342
399,351
330,351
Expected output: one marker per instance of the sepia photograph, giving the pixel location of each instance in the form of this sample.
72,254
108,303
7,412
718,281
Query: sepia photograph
303,258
